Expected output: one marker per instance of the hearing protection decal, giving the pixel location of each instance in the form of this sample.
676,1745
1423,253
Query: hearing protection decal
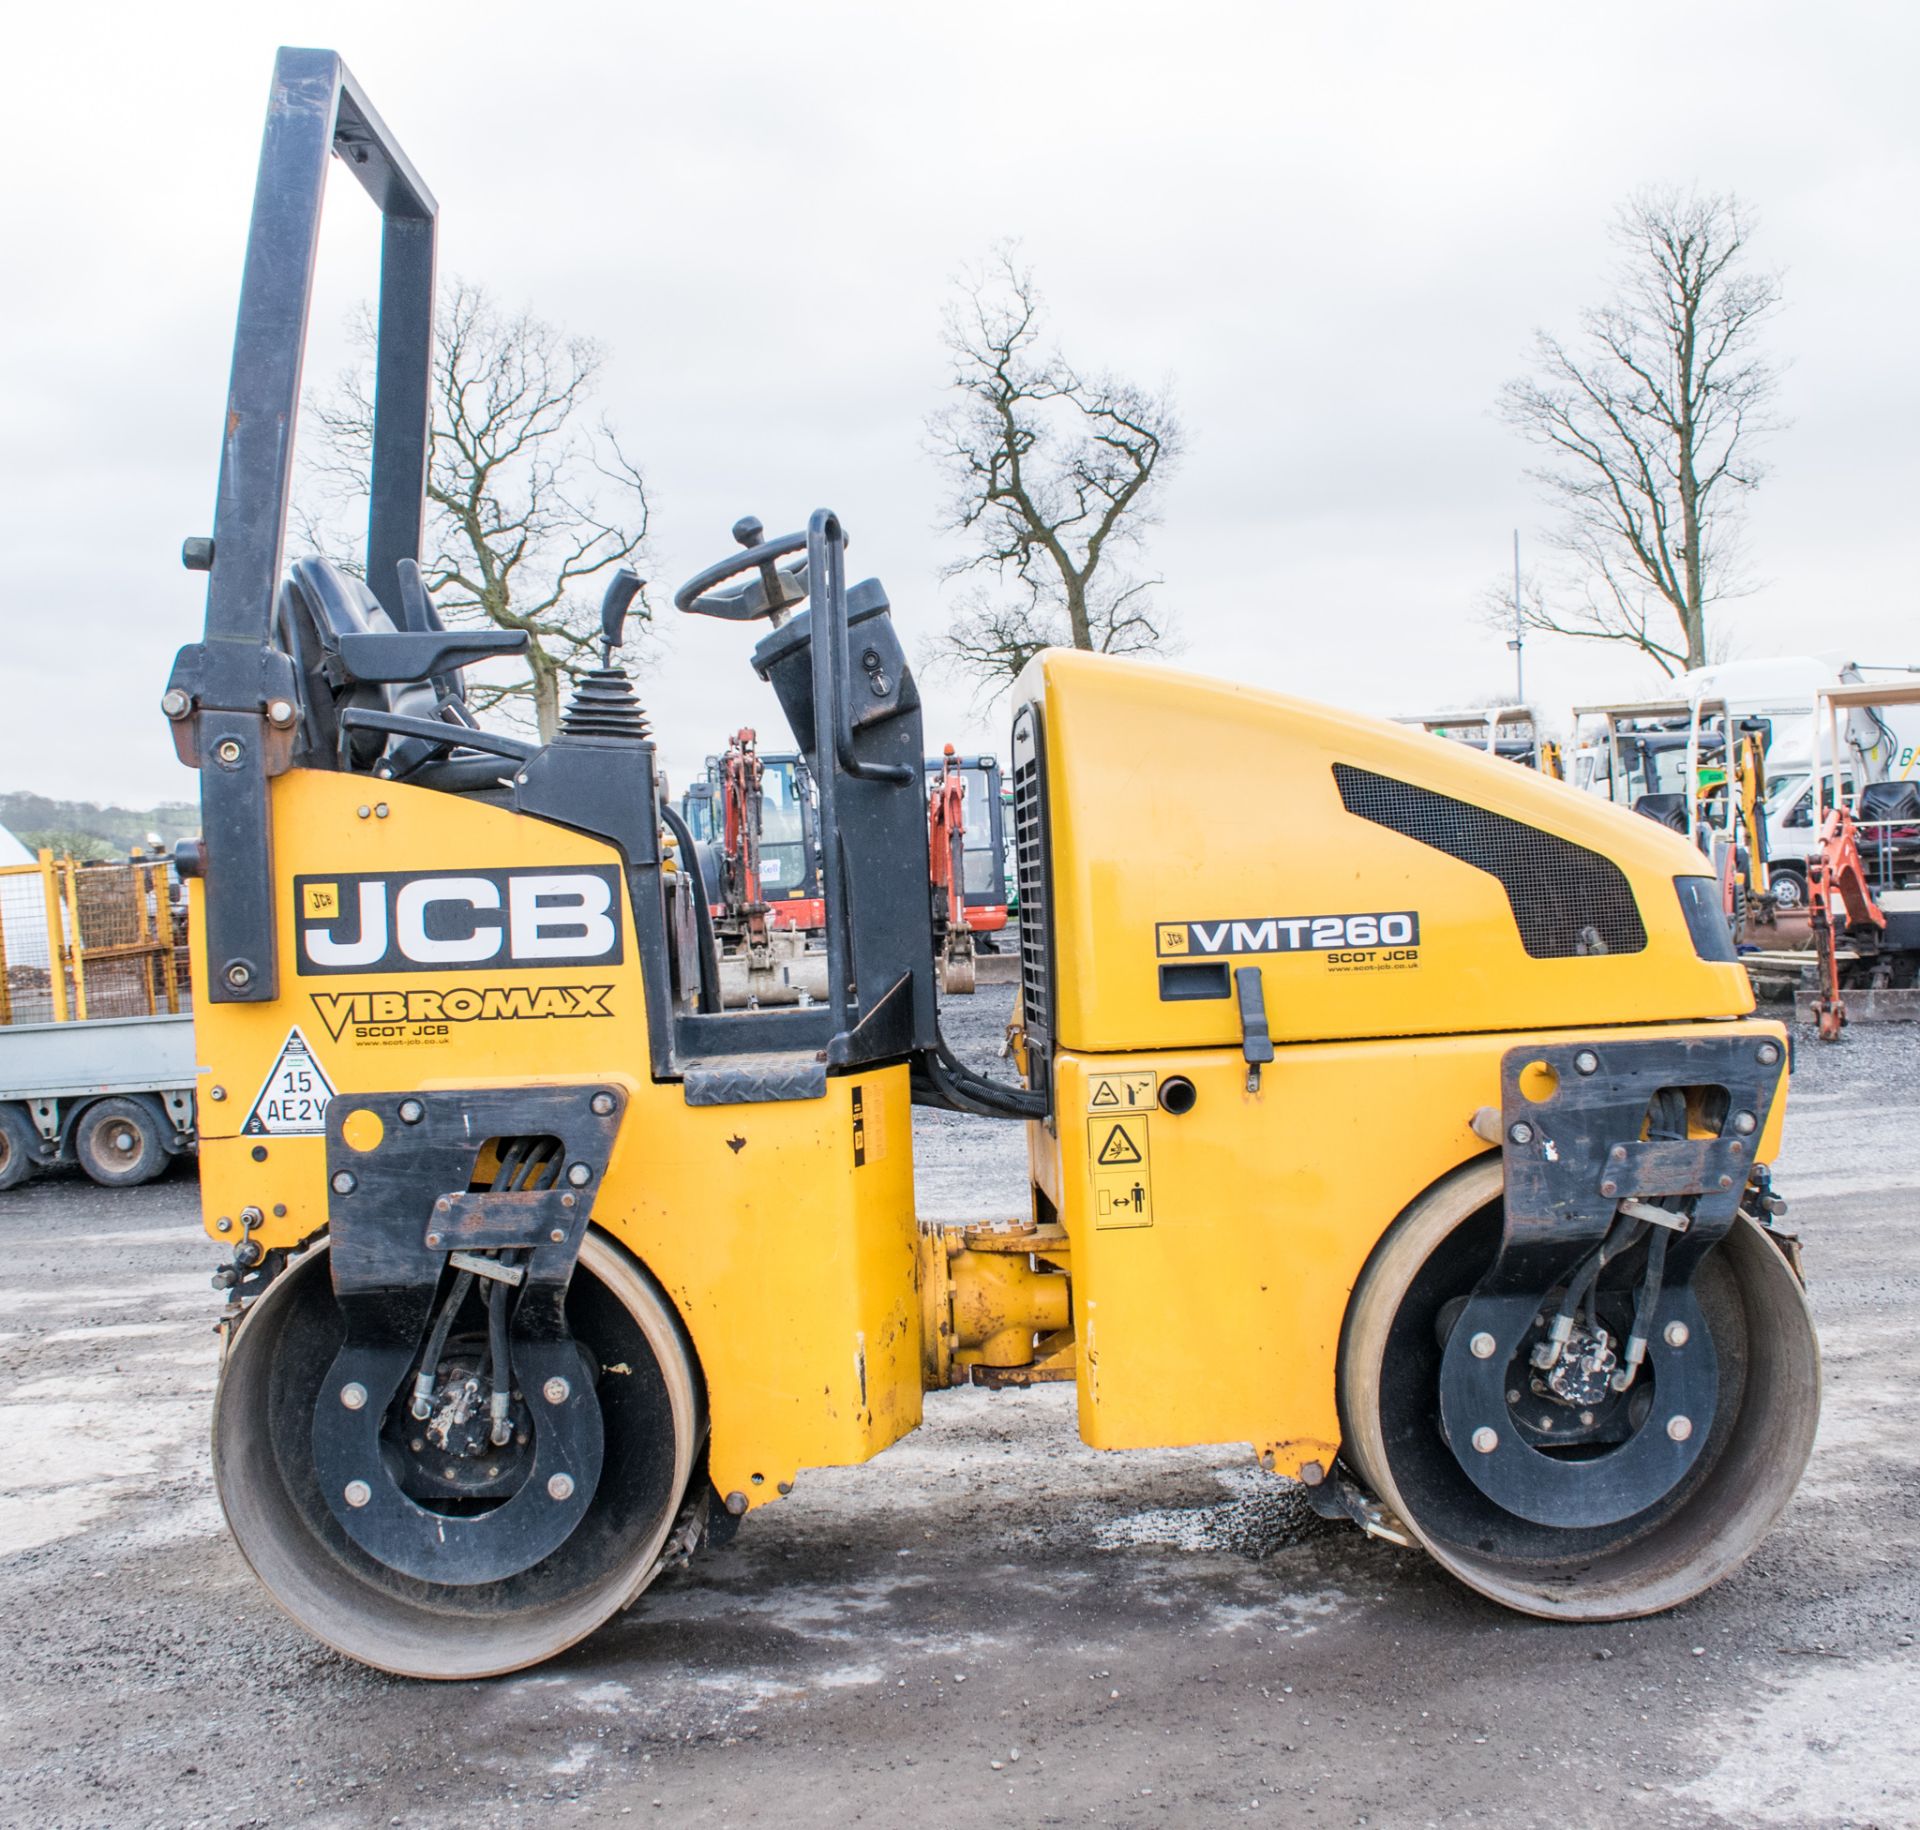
1118,1161
425,921
293,1100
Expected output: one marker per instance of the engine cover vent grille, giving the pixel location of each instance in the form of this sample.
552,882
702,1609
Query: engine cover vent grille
1567,901
1030,874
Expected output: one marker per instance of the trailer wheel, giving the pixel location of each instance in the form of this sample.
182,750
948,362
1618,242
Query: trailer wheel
118,1143
18,1154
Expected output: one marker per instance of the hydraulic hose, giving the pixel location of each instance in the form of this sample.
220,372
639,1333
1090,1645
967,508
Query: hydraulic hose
437,1344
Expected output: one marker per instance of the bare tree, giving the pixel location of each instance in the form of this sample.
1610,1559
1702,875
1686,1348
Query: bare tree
526,504
1649,424
1054,474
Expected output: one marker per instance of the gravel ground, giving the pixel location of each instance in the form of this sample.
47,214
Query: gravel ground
991,1623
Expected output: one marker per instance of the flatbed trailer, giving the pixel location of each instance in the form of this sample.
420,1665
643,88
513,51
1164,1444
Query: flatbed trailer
115,1094
96,1034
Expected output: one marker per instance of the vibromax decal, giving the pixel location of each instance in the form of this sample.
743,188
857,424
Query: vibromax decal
423,1016
1286,934
426,921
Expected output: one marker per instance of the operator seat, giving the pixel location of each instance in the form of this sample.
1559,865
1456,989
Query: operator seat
1668,810
324,618
1889,803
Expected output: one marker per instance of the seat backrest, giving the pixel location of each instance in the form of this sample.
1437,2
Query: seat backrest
1668,810
1889,802
318,605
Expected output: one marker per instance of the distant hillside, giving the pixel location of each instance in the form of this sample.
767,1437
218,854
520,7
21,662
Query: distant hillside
89,831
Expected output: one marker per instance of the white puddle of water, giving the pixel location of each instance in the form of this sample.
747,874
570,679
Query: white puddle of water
188,1232
1837,1741
57,1449
1803,1187
117,1331
28,1520
148,1293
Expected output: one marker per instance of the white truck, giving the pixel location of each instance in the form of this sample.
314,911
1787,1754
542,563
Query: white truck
1657,754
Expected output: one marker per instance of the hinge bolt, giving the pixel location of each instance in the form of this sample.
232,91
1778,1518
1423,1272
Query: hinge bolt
1587,1061
344,1183
1521,1134
602,1104
175,704
1745,1122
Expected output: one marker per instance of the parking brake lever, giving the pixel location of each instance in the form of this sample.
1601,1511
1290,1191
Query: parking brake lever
1255,1043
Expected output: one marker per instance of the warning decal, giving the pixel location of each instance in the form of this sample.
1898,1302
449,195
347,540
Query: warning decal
1120,1092
1119,1148
1117,1161
293,1103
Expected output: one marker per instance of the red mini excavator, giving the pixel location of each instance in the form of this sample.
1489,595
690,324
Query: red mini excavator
947,872
1837,873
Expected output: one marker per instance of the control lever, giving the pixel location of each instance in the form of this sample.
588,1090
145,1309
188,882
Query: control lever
622,589
1255,1043
416,608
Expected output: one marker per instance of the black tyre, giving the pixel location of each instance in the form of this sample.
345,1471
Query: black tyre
1788,884
118,1143
19,1147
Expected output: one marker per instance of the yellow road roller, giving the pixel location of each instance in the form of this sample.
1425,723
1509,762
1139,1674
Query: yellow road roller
1406,1121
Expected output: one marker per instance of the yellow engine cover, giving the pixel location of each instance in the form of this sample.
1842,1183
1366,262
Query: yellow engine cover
1193,821
1201,826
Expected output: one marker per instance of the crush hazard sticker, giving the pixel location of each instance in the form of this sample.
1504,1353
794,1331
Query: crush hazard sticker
1287,934
1119,1163
293,1102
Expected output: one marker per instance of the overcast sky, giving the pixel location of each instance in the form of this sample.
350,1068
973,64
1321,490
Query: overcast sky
1333,229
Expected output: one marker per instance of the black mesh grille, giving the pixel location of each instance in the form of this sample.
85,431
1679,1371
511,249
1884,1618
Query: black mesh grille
1566,900
1030,873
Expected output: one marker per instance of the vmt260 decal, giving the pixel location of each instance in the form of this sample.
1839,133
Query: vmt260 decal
1286,934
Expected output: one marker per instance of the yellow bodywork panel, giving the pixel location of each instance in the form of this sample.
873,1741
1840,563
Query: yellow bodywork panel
1184,812
1214,1251
791,1266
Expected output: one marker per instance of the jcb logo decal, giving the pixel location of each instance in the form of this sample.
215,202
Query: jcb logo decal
420,921
463,1004
1286,934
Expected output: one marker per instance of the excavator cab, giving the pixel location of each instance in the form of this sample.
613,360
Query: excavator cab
1408,1123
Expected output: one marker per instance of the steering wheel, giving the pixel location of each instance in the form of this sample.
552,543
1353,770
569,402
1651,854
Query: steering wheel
769,592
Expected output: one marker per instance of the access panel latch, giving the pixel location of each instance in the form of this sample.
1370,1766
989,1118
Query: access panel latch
1255,1041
